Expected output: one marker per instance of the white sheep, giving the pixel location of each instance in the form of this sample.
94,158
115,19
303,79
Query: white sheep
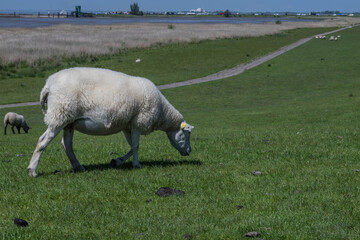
101,102
15,120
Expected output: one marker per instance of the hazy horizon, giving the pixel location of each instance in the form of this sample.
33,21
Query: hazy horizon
168,5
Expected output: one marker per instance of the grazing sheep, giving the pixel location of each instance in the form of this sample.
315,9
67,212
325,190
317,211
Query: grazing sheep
101,102
15,120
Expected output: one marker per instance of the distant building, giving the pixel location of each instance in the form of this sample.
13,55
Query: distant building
198,11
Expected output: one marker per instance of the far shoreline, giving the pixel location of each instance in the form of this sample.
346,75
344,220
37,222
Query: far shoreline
56,15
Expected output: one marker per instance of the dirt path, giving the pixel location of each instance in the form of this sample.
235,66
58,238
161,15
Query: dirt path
219,75
246,66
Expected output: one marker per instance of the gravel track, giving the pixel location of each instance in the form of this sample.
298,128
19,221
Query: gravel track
219,75
246,66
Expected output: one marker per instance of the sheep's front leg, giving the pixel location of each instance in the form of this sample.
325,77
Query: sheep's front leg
12,129
67,142
135,139
18,128
121,160
42,143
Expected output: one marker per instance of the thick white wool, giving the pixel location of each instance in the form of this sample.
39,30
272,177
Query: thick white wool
119,101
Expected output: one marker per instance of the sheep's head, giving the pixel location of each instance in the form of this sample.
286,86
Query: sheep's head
26,127
180,139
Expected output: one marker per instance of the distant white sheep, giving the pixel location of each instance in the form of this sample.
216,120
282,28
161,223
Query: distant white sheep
102,102
15,120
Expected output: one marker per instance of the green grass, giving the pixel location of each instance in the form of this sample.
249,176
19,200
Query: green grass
161,64
296,121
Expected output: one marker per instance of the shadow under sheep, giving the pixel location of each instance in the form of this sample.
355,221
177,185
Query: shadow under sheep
128,165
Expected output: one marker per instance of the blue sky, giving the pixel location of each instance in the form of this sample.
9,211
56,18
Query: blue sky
176,5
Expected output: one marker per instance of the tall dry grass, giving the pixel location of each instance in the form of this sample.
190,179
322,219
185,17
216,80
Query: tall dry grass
57,41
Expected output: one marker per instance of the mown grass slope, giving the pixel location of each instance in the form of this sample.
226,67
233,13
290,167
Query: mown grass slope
293,118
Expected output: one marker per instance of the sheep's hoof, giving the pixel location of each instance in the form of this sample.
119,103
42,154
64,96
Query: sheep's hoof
136,165
115,162
79,169
32,172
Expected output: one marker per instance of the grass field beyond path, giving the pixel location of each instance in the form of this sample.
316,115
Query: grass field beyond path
162,65
295,119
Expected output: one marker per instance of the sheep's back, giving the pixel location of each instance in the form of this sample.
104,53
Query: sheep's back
99,93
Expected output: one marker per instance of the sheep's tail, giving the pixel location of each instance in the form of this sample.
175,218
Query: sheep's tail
44,99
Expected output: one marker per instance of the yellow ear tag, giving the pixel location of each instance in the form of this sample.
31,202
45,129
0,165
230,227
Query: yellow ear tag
183,124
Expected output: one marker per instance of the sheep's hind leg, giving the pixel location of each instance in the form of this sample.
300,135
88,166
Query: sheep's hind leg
12,129
121,160
67,142
5,126
135,139
42,143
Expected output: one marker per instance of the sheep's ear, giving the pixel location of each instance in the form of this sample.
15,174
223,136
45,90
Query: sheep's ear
186,127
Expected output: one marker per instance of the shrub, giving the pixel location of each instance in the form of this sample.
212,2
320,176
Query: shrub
27,72
227,13
278,22
134,9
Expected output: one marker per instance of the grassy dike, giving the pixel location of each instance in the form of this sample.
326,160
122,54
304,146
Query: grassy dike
161,64
293,118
